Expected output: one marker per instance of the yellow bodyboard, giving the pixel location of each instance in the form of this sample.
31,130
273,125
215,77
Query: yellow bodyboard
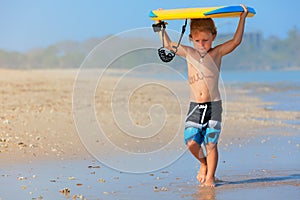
192,13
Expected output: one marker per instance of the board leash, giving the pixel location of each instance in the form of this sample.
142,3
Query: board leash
164,54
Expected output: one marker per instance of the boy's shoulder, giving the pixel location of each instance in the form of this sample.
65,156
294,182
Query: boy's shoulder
189,49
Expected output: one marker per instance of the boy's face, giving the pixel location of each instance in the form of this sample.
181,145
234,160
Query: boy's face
202,40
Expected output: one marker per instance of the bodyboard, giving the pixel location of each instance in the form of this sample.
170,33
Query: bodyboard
193,13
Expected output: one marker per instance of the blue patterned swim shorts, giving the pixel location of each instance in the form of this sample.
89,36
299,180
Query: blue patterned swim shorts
203,122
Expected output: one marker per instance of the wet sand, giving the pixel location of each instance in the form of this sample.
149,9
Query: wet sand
41,152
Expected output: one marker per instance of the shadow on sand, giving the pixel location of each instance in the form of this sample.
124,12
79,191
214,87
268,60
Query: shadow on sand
291,177
206,193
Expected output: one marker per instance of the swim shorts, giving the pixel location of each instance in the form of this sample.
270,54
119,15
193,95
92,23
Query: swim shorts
203,122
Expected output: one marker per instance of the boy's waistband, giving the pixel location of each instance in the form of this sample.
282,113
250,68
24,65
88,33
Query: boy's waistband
211,103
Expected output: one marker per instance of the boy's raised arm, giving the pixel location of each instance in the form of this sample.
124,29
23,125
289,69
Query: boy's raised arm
169,44
230,45
167,41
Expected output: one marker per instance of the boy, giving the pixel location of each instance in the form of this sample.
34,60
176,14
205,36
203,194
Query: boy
203,121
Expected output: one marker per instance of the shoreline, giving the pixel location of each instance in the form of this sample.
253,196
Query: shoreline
237,176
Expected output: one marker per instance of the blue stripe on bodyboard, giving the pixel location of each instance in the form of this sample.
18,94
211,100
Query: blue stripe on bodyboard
152,15
229,9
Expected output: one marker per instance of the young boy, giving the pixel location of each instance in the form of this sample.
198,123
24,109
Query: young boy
203,121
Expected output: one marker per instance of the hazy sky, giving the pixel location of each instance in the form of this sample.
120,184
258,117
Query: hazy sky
35,23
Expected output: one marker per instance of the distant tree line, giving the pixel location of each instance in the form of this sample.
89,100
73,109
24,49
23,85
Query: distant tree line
272,53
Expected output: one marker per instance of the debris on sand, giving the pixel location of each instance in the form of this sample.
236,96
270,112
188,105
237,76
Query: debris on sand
101,180
65,191
157,189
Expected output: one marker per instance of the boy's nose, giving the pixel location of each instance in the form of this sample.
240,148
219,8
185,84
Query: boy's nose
200,43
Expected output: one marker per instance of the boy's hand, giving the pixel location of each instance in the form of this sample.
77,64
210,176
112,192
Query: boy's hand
245,13
158,21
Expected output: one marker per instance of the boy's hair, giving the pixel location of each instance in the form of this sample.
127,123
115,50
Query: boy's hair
203,24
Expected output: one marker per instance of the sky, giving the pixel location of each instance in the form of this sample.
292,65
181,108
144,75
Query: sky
28,24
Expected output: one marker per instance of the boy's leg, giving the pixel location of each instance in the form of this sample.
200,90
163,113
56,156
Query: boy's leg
211,140
212,162
197,151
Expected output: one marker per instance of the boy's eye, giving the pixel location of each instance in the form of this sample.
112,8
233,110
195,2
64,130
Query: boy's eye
201,40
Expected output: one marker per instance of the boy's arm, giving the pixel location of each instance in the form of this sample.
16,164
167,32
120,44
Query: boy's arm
168,43
230,45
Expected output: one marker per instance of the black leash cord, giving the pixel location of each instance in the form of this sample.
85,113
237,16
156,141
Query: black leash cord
162,52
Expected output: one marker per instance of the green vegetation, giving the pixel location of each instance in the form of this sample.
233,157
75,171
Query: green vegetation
271,53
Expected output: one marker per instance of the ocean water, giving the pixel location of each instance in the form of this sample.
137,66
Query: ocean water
280,87
276,76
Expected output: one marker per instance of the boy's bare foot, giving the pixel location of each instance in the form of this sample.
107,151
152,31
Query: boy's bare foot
209,182
202,173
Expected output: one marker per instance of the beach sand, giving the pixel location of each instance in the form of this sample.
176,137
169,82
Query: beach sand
41,151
